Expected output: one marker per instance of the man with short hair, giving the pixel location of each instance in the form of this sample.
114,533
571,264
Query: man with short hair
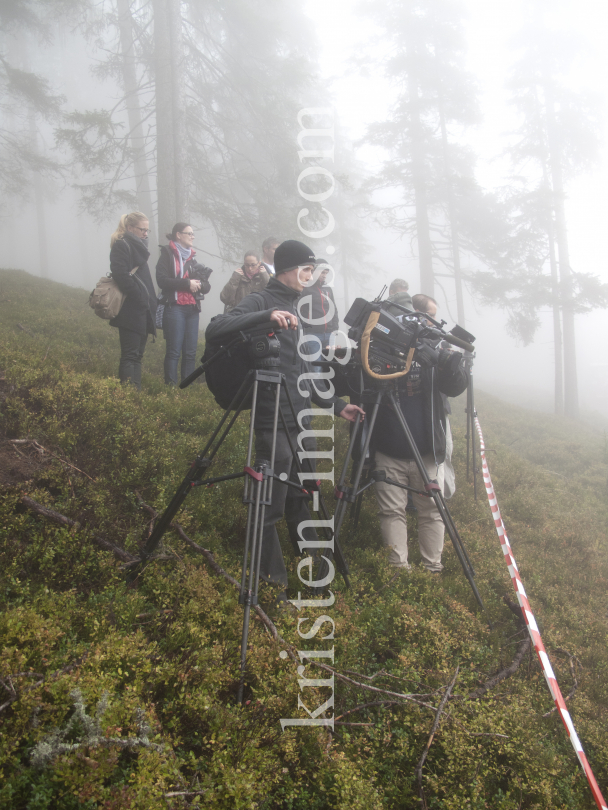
294,265
424,303
398,294
250,277
269,246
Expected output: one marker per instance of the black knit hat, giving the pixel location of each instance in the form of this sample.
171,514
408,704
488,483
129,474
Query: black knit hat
292,254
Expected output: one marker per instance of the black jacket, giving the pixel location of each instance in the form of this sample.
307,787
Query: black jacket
450,378
138,312
169,283
319,308
256,309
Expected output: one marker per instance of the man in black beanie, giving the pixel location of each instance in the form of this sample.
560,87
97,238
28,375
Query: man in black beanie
294,264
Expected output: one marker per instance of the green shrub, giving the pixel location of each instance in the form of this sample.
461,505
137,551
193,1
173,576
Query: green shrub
142,681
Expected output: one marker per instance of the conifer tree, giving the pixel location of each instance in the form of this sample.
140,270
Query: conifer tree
209,110
434,177
556,140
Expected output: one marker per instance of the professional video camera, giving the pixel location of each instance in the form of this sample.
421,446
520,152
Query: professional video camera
386,344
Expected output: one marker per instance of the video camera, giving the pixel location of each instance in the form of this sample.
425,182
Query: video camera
387,343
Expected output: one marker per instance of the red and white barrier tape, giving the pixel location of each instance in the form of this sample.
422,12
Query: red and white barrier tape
533,628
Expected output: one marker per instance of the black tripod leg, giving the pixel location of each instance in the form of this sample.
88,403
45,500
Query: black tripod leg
361,463
473,414
439,502
253,545
358,504
340,489
196,471
468,437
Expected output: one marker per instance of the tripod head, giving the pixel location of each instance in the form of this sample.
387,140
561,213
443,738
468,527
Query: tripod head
258,347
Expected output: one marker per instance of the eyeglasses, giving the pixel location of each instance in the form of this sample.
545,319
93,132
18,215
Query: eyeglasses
142,230
186,233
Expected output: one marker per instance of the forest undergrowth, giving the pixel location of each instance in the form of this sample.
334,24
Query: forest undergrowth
115,696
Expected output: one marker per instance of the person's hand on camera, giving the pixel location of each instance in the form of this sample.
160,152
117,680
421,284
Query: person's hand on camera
194,285
426,355
351,412
286,320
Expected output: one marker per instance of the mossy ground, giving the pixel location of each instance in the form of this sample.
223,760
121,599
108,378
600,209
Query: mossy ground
170,646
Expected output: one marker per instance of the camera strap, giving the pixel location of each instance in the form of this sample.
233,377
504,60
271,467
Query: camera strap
365,341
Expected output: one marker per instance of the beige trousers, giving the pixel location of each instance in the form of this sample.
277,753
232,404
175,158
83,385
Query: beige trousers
391,511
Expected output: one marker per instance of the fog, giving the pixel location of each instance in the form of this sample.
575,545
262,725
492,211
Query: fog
48,232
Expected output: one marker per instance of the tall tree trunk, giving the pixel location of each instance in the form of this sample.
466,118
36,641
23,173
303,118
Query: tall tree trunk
169,113
571,407
558,347
452,219
557,327
423,235
137,138
43,250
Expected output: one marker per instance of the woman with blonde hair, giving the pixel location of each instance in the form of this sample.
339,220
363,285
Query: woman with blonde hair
136,320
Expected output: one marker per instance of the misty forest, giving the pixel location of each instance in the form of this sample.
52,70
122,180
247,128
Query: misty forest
455,145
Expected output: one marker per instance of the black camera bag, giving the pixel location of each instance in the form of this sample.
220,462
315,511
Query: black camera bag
227,373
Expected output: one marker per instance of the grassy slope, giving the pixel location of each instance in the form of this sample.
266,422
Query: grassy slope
171,646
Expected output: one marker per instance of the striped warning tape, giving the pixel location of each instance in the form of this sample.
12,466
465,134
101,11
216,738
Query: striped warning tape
533,627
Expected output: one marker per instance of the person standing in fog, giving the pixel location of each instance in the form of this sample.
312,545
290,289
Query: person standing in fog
398,294
136,320
269,246
318,310
183,283
250,277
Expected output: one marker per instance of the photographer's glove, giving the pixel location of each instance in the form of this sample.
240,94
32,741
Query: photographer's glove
426,355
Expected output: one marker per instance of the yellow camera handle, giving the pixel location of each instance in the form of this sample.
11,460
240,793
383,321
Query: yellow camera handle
365,339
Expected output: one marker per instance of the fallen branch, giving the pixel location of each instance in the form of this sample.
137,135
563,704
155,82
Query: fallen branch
42,450
62,520
427,748
505,673
184,793
43,678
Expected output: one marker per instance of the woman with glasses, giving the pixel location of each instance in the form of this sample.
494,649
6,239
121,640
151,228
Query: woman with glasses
183,283
137,317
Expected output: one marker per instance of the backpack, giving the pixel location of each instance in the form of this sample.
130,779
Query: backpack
226,374
106,299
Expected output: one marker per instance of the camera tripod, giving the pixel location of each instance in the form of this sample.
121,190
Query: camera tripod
471,414
258,486
375,396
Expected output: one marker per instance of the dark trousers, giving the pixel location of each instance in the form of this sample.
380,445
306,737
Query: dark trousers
180,328
132,347
285,500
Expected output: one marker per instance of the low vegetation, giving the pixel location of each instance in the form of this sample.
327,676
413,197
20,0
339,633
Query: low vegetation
115,695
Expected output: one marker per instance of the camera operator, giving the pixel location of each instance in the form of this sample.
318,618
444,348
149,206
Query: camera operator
294,265
434,373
